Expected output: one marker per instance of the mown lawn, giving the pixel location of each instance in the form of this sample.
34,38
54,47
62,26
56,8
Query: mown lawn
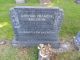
71,23
7,52
70,26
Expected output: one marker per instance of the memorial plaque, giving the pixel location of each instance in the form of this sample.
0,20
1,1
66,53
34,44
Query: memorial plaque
36,25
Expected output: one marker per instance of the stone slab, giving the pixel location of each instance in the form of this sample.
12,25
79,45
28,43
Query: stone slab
36,25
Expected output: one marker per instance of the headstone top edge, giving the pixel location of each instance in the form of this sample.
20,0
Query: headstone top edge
37,7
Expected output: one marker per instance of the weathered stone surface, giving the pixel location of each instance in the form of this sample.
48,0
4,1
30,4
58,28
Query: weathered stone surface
77,41
77,1
36,25
20,1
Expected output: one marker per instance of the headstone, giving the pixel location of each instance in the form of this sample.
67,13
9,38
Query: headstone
20,1
77,41
36,25
45,2
77,1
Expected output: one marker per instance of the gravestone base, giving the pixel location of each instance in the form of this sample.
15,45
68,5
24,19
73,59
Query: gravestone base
16,43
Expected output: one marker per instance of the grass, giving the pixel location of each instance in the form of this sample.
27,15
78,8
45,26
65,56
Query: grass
69,28
71,17
7,52
74,55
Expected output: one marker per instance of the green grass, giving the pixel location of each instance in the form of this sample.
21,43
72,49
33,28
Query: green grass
7,1
74,55
70,26
7,52
71,17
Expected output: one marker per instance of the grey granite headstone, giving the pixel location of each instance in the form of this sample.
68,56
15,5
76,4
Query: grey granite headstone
77,1
20,1
77,41
36,25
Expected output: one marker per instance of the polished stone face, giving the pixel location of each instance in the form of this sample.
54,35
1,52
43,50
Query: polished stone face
33,26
